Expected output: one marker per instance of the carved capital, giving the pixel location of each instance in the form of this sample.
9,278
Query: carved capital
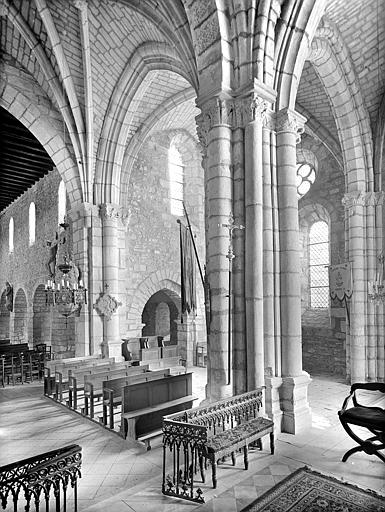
358,198
82,5
217,111
290,121
110,211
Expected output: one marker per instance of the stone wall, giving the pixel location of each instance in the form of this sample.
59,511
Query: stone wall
32,320
152,240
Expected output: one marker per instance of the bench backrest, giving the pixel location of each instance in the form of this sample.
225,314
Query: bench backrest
151,393
117,385
228,410
72,360
97,379
14,348
64,368
78,373
162,363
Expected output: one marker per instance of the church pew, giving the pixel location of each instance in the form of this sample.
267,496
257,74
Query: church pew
94,385
112,391
144,404
14,348
63,373
51,367
78,377
162,363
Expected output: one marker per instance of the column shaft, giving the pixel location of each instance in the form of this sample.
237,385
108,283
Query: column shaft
239,319
219,198
254,254
289,249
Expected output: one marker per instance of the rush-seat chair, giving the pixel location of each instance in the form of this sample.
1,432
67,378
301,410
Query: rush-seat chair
365,416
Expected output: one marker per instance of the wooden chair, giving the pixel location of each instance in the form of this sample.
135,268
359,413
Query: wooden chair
365,416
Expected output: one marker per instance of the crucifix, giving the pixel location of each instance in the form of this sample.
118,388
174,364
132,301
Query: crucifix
230,256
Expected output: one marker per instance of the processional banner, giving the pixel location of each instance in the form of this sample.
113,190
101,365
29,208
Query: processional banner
340,281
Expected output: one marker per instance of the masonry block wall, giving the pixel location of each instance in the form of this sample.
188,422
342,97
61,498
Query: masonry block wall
152,240
323,330
25,268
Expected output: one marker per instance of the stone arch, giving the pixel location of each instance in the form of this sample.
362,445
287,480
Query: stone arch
20,319
160,280
4,317
294,32
136,142
69,108
161,308
30,108
333,65
41,323
147,58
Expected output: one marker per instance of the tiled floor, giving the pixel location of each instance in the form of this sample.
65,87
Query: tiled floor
121,476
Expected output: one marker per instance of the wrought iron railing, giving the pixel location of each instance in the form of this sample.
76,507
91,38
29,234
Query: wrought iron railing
45,477
185,435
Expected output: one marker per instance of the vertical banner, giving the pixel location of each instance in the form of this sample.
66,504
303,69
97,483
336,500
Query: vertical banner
188,271
340,281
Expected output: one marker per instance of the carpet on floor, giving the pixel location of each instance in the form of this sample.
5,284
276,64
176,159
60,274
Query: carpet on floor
306,490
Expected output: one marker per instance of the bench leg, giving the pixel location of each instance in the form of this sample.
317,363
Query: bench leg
214,472
233,458
246,456
272,443
202,469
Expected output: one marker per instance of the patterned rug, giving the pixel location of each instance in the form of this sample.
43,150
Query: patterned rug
308,491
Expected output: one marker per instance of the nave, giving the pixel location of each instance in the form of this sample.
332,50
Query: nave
119,475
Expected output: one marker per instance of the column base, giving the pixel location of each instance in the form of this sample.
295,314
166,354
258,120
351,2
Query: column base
272,401
294,404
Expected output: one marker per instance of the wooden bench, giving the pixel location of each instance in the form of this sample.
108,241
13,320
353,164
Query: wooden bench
77,377
217,430
145,404
63,366
93,386
168,362
113,389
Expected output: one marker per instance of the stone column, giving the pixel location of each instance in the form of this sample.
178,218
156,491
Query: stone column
365,317
215,134
113,218
239,313
254,244
296,411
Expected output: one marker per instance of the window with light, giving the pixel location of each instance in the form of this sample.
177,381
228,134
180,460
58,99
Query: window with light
62,210
318,265
10,234
32,223
176,173
305,178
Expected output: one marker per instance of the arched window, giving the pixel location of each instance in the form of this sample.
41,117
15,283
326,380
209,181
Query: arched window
32,223
318,264
62,210
176,171
10,234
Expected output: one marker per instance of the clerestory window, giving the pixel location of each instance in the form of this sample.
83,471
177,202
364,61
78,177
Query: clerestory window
176,174
32,223
61,203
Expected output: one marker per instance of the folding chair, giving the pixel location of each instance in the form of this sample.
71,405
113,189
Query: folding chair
371,418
